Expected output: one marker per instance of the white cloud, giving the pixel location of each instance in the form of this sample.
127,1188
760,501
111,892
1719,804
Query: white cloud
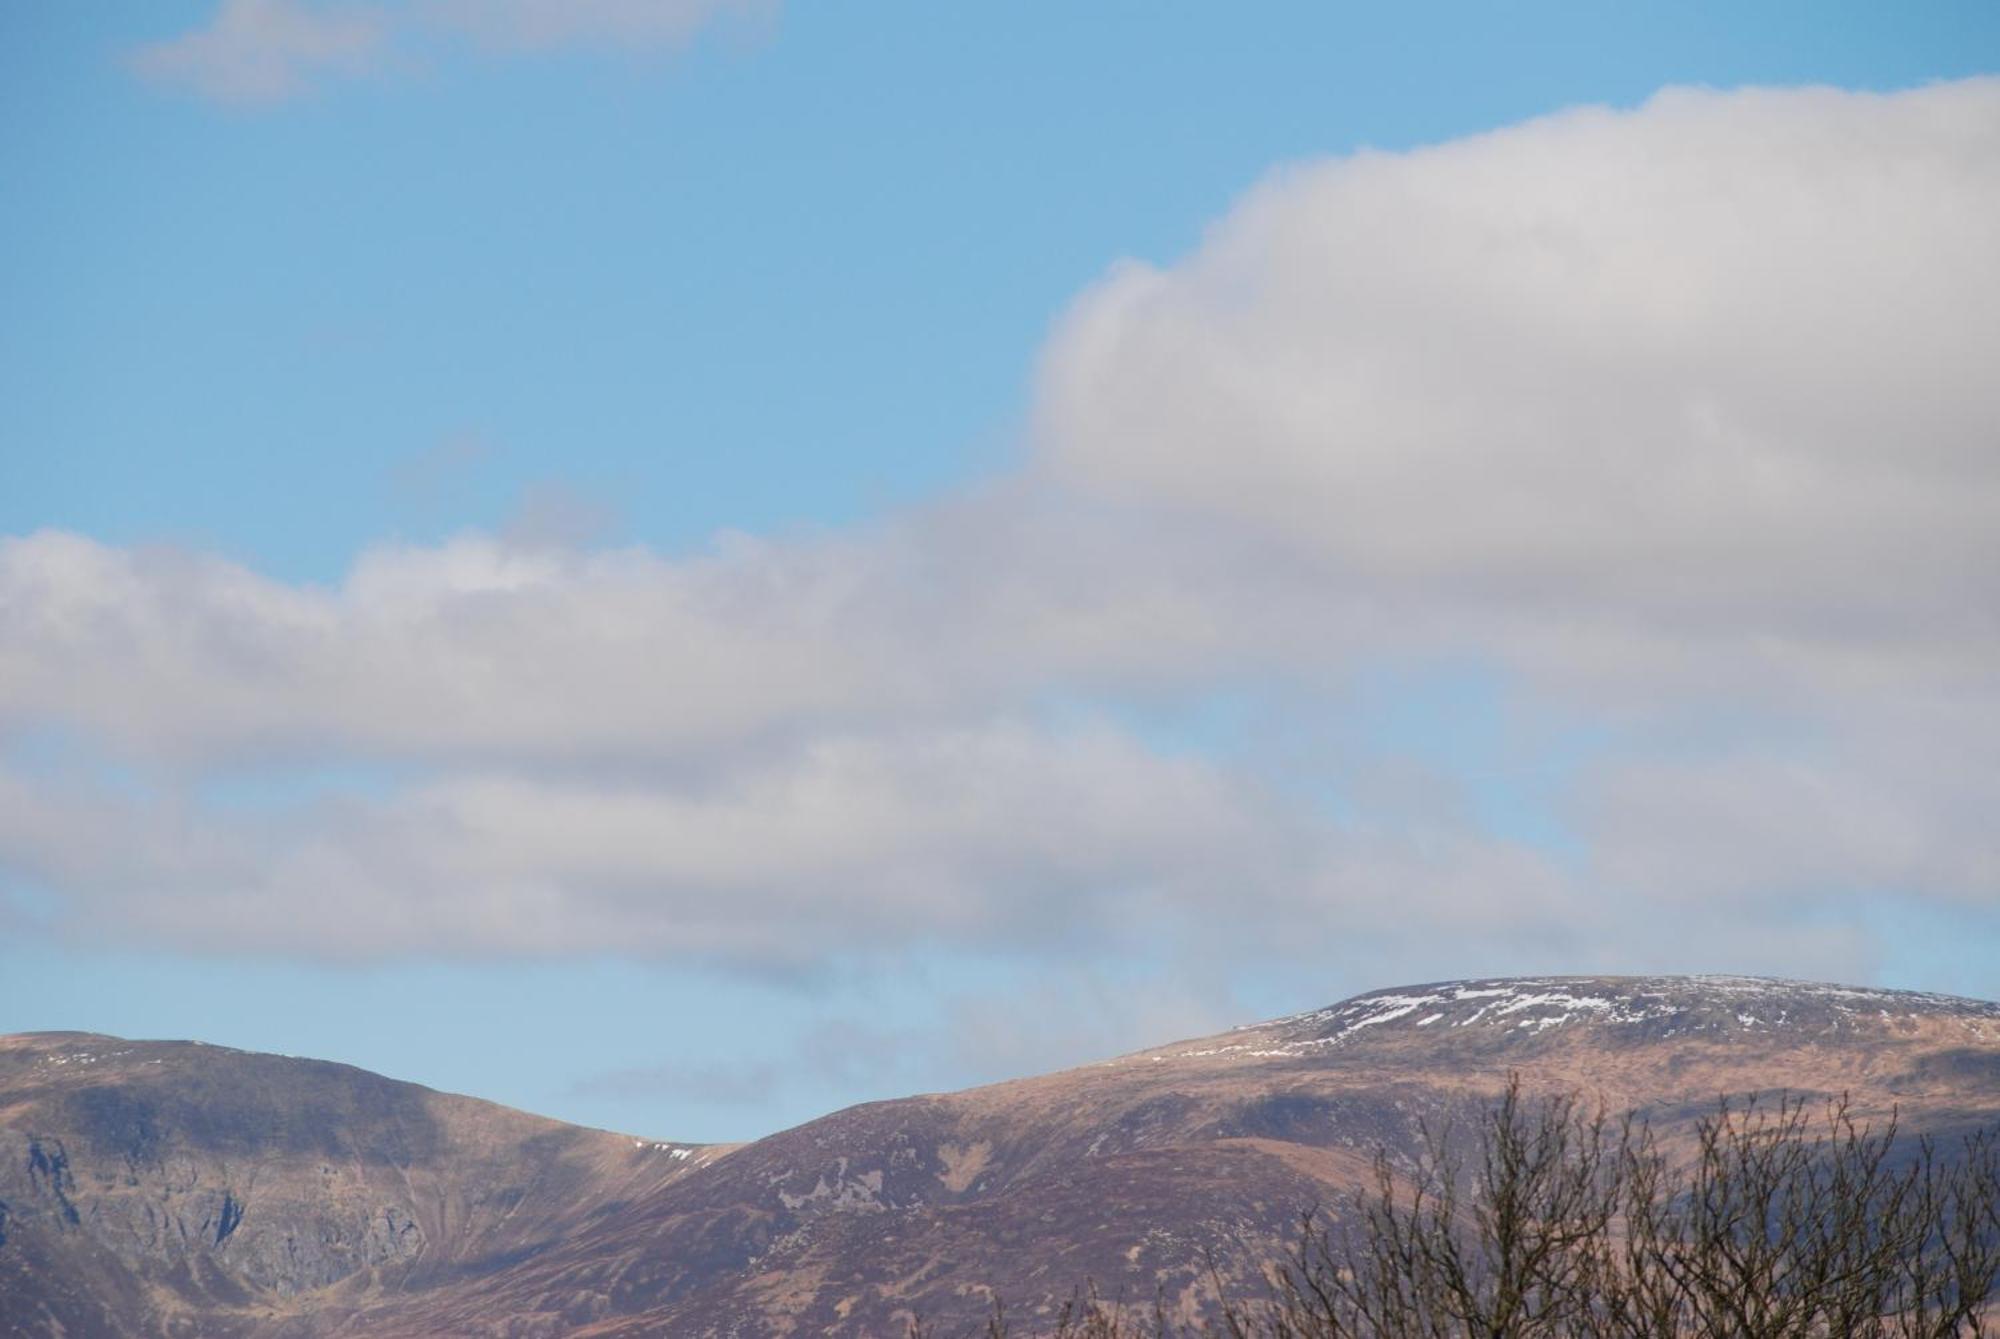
1683,415
468,649
997,834
1756,824
261,51
267,50
1707,382
1678,421
479,649
534,25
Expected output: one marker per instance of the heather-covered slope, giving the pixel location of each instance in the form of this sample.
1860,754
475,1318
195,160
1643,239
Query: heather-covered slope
1128,1172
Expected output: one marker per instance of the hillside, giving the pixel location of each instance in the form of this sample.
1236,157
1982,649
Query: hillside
191,1179
179,1188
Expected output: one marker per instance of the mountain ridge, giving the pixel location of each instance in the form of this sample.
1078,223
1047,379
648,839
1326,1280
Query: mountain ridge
1536,1003
459,1216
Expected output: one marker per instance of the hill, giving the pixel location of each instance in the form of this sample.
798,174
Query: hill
160,1183
155,1187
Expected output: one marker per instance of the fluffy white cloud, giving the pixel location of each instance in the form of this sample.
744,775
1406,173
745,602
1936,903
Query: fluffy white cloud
1678,421
1699,385
480,649
1686,415
470,649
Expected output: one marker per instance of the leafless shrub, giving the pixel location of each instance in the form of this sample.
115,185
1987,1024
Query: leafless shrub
1772,1222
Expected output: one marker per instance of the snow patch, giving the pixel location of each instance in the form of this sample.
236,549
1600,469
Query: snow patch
1537,1005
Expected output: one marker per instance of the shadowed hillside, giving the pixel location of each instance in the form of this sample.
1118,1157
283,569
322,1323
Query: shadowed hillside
178,1188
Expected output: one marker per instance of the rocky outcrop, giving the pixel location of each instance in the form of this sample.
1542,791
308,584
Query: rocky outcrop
228,1189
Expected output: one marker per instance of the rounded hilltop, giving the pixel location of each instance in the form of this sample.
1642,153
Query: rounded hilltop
1515,1010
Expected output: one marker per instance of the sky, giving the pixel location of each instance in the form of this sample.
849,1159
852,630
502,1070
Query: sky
681,564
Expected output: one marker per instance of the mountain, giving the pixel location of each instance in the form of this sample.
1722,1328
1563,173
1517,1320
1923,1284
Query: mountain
174,1188
168,1188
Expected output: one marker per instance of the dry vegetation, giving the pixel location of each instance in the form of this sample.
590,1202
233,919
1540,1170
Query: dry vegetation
1775,1222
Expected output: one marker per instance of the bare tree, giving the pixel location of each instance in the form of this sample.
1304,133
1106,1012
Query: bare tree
1551,1220
1776,1225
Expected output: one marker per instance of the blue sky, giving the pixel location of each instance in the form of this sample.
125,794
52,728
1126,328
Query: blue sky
808,279
786,279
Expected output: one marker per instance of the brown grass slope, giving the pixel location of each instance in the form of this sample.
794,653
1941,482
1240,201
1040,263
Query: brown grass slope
1131,1173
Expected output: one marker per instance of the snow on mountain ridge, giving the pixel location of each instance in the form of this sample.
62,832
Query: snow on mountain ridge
1671,1005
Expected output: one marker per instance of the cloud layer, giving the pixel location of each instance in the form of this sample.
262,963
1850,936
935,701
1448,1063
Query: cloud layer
1677,424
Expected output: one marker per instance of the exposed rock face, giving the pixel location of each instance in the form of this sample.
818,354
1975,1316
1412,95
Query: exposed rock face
171,1187
283,1197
